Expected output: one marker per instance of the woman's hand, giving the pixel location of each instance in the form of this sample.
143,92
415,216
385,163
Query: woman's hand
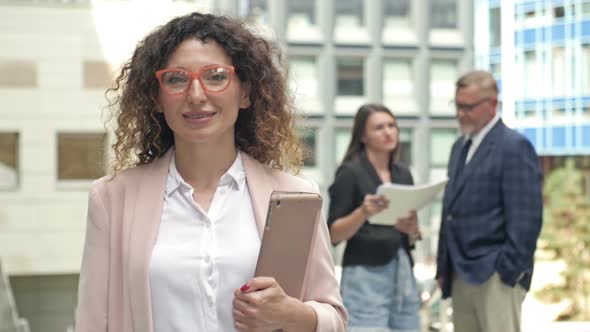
373,204
262,305
409,225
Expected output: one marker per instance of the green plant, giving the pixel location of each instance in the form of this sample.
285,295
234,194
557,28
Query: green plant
566,237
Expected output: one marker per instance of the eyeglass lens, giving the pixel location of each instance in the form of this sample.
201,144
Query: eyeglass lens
212,79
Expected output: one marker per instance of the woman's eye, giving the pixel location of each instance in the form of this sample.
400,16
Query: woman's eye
176,78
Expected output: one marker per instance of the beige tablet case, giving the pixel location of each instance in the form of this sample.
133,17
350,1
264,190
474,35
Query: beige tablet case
287,240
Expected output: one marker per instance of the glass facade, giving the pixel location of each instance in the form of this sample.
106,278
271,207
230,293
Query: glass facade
548,51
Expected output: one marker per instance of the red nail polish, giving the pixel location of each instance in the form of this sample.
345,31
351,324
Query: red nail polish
245,287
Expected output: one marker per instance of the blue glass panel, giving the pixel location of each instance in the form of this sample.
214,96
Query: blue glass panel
544,138
586,28
572,31
575,132
531,134
517,38
558,134
527,6
558,32
529,36
530,104
495,55
499,81
494,3
586,136
559,103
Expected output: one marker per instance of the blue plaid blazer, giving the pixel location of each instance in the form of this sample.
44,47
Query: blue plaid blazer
492,213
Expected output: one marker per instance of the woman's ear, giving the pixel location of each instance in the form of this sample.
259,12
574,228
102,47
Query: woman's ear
245,97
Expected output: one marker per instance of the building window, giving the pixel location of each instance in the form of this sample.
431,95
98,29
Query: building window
397,14
81,156
495,27
531,77
302,20
559,72
443,14
398,25
528,112
496,69
441,142
350,21
443,74
341,140
308,138
558,12
18,74
398,85
586,9
8,160
585,74
405,141
350,76
97,75
255,11
303,83
47,301
559,112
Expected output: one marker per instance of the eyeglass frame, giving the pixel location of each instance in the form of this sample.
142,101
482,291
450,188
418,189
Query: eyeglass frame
467,107
194,75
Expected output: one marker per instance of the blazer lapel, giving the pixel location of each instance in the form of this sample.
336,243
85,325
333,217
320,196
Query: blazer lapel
260,187
483,150
142,236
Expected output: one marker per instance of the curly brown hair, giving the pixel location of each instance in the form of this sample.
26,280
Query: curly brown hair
265,132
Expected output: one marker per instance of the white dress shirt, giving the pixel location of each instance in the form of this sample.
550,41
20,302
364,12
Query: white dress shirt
478,138
200,258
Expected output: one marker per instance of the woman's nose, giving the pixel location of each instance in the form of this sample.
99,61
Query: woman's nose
196,91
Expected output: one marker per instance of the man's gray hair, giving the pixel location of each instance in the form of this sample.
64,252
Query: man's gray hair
483,80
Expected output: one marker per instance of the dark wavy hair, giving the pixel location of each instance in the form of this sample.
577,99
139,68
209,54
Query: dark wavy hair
265,131
356,146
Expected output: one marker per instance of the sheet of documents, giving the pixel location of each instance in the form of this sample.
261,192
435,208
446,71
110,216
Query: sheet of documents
404,198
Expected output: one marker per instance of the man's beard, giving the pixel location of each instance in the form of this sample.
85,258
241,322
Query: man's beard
467,129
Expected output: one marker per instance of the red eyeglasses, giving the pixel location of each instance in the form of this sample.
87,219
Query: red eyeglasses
215,78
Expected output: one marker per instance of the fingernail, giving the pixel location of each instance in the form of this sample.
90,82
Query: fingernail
245,287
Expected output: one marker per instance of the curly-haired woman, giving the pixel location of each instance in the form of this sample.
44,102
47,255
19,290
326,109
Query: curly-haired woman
204,134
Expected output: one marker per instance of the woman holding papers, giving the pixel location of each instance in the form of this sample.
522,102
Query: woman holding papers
204,130
378,286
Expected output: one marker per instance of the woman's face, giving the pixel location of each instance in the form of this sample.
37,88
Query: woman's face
197,115
381,133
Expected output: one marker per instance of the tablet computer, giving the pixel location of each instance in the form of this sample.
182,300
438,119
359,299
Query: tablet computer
288,236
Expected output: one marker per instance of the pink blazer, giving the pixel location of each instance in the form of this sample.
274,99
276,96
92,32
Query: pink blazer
123,219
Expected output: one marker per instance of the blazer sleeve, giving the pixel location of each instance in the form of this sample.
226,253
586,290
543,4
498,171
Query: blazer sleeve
321,287
92,310
441,253
523,209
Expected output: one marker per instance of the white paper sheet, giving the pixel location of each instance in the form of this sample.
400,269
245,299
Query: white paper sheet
404,198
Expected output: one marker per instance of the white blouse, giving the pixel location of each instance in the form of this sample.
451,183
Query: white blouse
200,258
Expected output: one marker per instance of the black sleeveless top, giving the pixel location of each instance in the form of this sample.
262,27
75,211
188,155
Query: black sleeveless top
372,244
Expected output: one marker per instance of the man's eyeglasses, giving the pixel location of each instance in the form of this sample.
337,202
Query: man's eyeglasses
175,81
466,107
